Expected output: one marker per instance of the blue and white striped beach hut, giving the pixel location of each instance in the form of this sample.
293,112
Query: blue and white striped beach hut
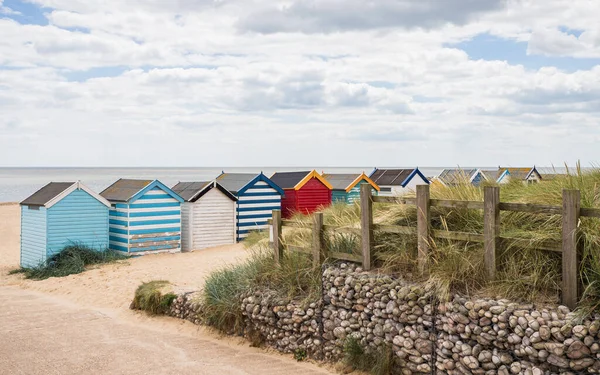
257,197
58,215
145,216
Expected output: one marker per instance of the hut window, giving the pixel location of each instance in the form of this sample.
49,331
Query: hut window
35,208
386,189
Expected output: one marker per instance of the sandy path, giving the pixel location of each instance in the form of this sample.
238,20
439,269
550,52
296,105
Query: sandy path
10,230
48,336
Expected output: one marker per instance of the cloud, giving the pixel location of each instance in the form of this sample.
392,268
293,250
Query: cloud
326,16
7,11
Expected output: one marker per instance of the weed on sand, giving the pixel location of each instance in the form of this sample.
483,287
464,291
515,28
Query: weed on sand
154,297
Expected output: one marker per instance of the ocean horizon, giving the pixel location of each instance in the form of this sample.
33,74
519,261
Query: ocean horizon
17,183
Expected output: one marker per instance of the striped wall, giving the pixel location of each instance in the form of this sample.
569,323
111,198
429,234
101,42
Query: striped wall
33,236
150,223
254,207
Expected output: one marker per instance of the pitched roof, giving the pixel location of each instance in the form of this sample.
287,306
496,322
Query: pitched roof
456,176
518,173
491,175
192,191
187,190
346,181
234,182
46,193
124,189
295,180
390,177
53,192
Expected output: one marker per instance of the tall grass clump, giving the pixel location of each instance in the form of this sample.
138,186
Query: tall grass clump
375,361
294,278
154,297
72,259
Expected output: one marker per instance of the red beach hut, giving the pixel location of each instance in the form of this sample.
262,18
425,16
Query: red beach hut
304,192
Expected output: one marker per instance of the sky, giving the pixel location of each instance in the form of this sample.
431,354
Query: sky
299,82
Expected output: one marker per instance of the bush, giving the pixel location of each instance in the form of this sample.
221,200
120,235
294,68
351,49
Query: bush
376,361
154,297
72,259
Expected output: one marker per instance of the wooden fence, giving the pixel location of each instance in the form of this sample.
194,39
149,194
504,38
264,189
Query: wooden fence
491,238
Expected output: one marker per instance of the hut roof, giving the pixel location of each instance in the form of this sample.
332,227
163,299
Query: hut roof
518,173
237,183
395,177
53,192
124,190
456,176
295,180
343,181
491,175
192,191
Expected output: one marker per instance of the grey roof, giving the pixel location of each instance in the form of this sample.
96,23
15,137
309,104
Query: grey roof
187,190
124,189
287,180
456,176
47,193
390,177
491,175
340,181
234,182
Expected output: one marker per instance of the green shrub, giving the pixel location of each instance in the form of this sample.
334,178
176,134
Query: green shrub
376,361
154,297
72,259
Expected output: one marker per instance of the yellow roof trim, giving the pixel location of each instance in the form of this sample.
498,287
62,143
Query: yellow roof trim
310,176
363,176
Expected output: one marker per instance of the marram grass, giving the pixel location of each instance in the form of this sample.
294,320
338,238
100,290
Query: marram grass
154,297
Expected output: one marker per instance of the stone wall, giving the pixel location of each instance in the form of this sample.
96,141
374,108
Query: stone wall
463,336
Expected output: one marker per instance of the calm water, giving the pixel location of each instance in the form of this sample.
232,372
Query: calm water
17,184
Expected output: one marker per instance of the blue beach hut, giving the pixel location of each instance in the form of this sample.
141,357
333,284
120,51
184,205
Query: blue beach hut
145,217
257,197
61,214
346,187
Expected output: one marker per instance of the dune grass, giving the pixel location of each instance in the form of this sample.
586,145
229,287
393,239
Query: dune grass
72,259
154,297
375,361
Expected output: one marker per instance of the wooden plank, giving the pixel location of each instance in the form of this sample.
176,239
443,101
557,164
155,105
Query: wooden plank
277,247
299,249
153,235
491,228
472,205
345,256
458,236
366,222
173,244
318,241
336,228
570,258
397,200
423,227
397,229
531,208
589,212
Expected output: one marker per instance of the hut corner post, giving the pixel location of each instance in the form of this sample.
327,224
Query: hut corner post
318,240
366,221
570,255
423,227
491,228
277,246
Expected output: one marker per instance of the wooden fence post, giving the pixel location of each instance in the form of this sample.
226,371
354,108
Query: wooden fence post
423,227
491,228
277,247
366,222
570,258
318,247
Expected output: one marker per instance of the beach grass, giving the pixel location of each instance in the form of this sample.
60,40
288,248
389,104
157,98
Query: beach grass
155,297
72,259
375,361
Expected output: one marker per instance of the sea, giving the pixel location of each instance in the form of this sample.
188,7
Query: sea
17,184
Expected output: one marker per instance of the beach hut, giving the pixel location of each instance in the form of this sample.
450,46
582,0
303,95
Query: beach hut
526,175
207,215
453,177
346,186
257,197
394,182
145,216
305,192
61,214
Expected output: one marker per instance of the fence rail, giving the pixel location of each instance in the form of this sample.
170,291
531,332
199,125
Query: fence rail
492,240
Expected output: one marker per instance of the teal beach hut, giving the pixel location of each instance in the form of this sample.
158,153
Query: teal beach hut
61,214
346,187
145,217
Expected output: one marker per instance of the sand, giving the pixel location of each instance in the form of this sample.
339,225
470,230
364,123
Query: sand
107,290
10,229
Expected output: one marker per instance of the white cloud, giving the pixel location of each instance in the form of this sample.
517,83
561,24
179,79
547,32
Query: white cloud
6,10
183,83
